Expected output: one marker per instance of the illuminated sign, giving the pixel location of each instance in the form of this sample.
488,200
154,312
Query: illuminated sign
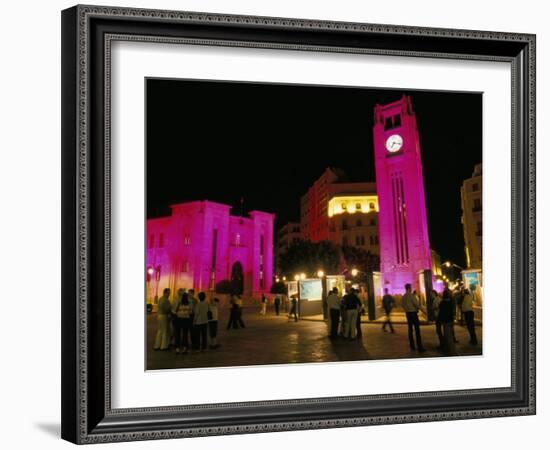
311,289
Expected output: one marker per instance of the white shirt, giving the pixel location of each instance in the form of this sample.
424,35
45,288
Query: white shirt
333,301
410,302
213,308
468,303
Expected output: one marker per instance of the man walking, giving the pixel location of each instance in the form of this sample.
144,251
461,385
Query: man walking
411,305
277,303
264,305
388,302
468,314
333,305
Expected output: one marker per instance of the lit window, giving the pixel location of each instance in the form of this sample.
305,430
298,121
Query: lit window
238,240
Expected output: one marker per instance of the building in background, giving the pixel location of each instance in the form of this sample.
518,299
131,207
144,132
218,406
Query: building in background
341,212
436,264
353,218
472,223
201,244
287,235
404,242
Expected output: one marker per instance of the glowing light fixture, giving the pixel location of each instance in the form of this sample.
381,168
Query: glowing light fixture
354,272
320,273
302,276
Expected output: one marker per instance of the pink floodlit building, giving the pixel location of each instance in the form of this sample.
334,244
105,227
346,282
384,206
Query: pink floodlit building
403,225
201,244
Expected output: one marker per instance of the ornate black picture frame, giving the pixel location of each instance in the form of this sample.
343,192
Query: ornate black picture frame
87,34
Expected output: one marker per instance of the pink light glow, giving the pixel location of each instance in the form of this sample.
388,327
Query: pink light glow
403,226
201,244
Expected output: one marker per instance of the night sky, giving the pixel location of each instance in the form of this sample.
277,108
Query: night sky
268,143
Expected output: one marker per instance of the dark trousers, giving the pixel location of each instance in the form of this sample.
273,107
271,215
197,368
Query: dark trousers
413,322
233,319
201,331
182,328
358,324
470,323
277,309
334,320
388,321
439,331
240,317
213,329
293,313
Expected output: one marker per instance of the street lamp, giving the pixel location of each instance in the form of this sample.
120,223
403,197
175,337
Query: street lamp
320,273
451,264
302,276
296,277
354,272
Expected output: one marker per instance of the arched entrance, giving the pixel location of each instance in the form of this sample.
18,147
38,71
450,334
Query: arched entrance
237,278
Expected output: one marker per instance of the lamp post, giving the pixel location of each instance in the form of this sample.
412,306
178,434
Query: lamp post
321,275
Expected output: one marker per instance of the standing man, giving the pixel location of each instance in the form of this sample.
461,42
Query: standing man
200,322
411,305
277,303
293,309
351,305
333,304
388,302
162,341
264,305
468,314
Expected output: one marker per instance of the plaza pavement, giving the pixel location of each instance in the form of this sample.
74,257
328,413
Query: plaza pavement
275,339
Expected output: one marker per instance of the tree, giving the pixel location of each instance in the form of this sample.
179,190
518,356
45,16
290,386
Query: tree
308,257
278,287
362,260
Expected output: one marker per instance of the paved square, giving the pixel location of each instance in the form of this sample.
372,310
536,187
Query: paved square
275,339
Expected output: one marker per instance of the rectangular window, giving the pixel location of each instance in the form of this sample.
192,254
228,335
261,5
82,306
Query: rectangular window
214,248
479,228
151,241
185,266
161,240
477,205
397,121
475,187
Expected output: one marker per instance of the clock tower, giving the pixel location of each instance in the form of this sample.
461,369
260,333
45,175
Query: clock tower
403,226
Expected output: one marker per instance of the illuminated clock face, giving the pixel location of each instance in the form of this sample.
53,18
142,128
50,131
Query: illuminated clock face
394,143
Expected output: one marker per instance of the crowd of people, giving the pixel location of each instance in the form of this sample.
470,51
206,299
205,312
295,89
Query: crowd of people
344,316
190,324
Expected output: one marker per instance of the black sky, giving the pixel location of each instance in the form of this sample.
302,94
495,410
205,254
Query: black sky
269,142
